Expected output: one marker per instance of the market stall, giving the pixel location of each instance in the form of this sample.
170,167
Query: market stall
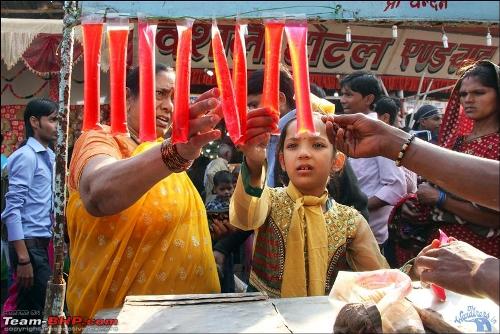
342,38
409,58
255,313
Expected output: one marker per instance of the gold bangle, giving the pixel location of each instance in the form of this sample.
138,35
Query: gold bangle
172,159
404,148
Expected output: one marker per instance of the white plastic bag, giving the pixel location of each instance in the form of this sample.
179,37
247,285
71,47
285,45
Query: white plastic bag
387,289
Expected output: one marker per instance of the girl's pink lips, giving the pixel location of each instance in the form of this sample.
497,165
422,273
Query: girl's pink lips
304,167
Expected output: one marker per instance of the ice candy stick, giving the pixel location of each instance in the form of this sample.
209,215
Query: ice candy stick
439,292
296,33
180,130
240,76
118,37
273,34
224,83
443,238
147,79
92,39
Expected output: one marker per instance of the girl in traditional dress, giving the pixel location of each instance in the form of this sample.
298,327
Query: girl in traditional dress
303,238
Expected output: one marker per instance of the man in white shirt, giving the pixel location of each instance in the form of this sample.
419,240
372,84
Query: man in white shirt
379,178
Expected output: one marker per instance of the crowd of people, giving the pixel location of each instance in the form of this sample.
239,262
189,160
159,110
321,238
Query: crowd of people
360,194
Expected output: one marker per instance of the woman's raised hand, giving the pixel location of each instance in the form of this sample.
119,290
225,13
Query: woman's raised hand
204,116
358,136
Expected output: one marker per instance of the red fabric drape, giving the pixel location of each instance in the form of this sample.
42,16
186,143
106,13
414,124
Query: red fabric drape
54,88
43,55
330,81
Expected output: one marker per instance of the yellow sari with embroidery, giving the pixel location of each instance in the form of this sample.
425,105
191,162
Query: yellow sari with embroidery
159,245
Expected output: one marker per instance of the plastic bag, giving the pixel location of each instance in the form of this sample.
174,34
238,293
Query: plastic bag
387,289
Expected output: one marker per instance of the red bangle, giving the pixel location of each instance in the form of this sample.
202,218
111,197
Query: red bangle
172,159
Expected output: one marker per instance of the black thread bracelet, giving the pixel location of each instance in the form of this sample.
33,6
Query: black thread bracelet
24,263
404,148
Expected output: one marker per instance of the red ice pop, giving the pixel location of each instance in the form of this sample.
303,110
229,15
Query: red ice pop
296,33
180,131
225,86
439,292
273,35
118,38
147,79
240,76
92,39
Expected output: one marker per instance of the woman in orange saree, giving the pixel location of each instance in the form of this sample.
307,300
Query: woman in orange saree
136,223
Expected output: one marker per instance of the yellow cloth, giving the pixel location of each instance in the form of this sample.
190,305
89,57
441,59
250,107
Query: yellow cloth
159,245
349,240
307,222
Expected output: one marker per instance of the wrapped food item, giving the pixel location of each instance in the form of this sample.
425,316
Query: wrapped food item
438,291
296,33
240,76
387,289
117,31
358,318
322,105
92,27
273,39
147,79
225,85
180,131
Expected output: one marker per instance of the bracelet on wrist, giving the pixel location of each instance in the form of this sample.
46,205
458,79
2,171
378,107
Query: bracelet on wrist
172,159
404,148
441,199
23,263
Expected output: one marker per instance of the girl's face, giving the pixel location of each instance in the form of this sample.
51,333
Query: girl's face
308,159
479,102
353,102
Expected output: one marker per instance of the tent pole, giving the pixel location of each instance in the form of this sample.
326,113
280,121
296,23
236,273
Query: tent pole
56,287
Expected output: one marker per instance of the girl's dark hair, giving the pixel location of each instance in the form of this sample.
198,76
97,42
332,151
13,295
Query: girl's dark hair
38,108
280,176
256,85
317,90
133,77
387,105
486,72
222,176
364,83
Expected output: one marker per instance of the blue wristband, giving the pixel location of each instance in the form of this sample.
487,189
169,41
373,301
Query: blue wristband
441,199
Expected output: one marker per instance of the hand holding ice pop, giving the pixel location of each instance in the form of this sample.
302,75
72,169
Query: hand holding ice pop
439,292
